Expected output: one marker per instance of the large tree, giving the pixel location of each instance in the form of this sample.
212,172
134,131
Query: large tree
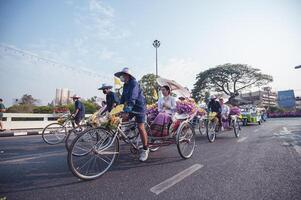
150,87
229,79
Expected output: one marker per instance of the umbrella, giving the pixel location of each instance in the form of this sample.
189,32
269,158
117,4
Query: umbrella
175,87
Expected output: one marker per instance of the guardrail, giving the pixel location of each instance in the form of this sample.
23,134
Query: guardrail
28,120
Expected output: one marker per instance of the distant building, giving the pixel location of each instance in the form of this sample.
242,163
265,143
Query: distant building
286,99
62,96
261,98
298,103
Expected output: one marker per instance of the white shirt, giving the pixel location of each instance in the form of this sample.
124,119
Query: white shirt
170,102
225,110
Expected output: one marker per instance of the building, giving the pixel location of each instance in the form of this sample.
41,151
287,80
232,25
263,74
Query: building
261,98
286,99
298,103
62,96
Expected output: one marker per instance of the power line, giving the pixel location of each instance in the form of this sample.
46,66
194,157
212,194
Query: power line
34,57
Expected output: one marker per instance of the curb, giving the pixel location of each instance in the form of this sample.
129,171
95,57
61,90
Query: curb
11,134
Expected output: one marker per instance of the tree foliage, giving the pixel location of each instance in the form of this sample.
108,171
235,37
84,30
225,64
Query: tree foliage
229,79
27,99
150,87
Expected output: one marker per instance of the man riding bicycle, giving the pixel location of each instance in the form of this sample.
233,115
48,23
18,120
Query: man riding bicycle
111,98
79,112
214,106
134,106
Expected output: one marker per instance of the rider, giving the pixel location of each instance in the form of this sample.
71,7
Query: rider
134,106
111,98
79,112
214,106
225,110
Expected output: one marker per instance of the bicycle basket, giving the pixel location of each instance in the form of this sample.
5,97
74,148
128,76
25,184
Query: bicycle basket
212,115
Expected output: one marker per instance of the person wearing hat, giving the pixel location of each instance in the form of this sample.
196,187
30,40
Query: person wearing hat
225,111
134,106
79,112
215,106
111,98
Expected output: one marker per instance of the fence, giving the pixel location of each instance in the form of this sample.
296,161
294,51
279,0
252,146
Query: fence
28,120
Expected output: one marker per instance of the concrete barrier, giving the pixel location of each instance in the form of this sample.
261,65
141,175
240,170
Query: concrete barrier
16,121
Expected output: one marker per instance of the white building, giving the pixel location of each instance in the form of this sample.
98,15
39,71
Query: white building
62,96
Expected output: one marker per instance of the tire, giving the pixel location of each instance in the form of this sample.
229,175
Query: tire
148,130
202,127
185,138
236,128
210,130
54,133
96,153
72,134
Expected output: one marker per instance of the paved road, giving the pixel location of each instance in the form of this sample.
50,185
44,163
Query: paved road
264,163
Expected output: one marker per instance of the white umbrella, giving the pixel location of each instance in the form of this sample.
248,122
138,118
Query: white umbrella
175,87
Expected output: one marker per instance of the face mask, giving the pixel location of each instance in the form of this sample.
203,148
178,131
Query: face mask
122,78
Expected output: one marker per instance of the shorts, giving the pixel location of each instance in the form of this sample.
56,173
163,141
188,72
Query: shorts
139,118
78,119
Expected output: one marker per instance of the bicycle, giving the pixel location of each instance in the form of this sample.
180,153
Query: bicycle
99,147
213,127
61,130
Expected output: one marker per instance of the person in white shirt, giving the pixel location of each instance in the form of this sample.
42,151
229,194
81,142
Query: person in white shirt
166,103
225,113
166,108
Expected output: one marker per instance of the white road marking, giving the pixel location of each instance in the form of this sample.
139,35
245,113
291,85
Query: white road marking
23,159
242,139
256,130
20,133
175,179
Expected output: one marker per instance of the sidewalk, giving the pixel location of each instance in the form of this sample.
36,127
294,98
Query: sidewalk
24,132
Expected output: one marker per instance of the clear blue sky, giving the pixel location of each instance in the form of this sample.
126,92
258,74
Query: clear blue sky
105,36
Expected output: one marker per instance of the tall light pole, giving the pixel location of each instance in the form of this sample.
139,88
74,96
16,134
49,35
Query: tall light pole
156,44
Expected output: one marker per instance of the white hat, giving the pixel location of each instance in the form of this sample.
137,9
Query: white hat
105,86
75,96
124,71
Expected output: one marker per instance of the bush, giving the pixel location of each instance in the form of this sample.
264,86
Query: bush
43,109
21,108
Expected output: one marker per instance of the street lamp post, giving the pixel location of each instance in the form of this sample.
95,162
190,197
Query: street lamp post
156,44
298,67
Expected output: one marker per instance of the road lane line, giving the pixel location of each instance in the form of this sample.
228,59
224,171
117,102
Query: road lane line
18,160
175,179
242,139
256,130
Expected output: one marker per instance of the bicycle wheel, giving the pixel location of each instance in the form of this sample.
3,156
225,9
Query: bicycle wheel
236,128
210,130
97,148
185,140
202,127
72,134
54,133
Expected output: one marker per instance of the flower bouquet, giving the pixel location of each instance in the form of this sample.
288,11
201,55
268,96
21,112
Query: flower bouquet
152,112
186,107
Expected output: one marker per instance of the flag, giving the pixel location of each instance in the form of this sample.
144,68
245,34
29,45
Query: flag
117,82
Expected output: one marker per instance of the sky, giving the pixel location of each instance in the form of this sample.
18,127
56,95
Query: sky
102,36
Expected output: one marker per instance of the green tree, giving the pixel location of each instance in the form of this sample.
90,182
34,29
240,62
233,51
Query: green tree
27,99
150,87
21,108
43,109
229,79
